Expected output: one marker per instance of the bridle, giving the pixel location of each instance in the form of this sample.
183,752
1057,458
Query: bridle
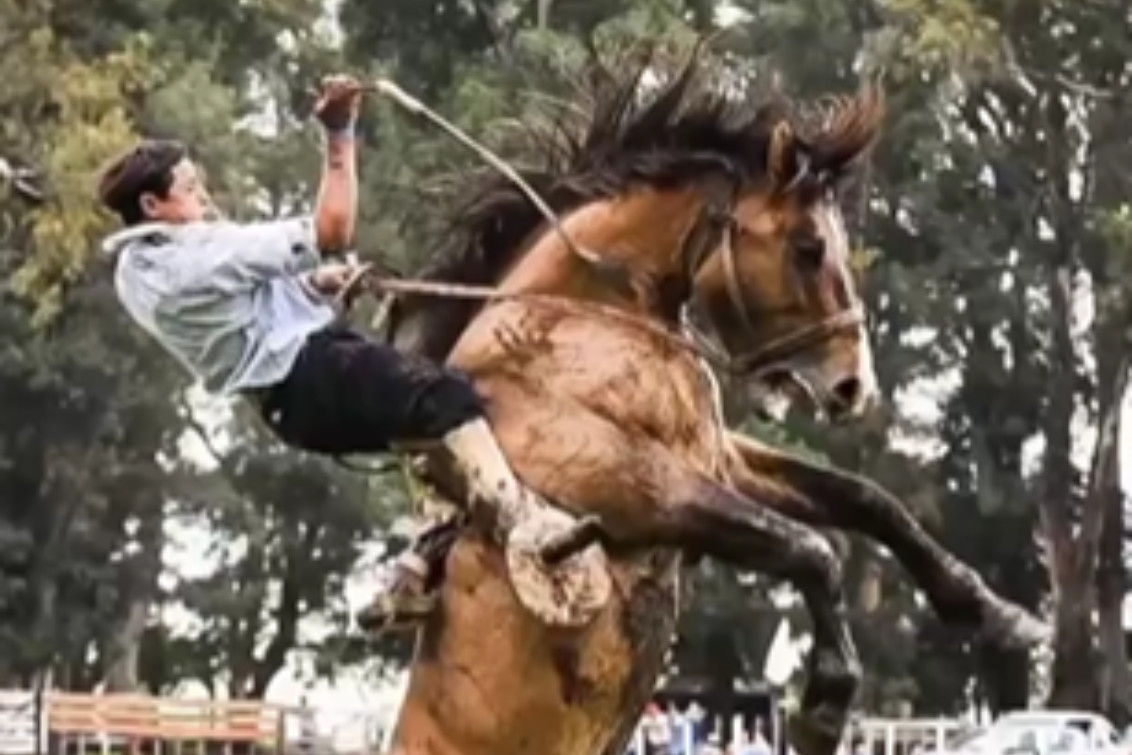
714,233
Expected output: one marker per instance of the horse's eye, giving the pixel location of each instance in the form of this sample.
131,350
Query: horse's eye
810,251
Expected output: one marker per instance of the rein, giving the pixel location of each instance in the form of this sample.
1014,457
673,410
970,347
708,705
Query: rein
366,280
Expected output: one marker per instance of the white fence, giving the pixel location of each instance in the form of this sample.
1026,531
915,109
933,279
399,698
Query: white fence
18,730
892,736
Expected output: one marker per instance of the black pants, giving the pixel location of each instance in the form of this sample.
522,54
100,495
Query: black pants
349,394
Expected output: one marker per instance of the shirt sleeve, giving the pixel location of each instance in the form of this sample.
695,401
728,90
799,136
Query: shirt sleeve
234,256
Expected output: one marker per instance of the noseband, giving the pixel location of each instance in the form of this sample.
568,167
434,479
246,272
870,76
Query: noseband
714,233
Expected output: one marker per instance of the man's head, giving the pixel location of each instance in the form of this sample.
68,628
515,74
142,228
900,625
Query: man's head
155,181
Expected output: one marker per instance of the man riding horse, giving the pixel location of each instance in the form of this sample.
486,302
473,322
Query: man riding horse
599,399
249,309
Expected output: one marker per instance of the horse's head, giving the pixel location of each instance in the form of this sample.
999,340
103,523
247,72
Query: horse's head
698,197
774,282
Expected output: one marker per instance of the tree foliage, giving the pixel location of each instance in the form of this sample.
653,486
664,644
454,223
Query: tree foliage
995,216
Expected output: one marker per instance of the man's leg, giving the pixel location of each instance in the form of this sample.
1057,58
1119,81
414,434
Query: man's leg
347,394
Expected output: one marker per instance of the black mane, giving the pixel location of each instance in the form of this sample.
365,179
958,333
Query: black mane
687,124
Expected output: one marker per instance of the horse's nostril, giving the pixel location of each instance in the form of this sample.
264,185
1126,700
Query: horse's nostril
848,392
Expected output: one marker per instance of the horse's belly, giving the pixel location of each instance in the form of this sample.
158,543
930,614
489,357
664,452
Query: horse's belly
492,679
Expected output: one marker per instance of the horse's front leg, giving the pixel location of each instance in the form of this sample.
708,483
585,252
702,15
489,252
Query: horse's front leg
826,497
707,518
694,513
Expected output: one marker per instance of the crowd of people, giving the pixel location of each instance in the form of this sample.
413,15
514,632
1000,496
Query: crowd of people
691,731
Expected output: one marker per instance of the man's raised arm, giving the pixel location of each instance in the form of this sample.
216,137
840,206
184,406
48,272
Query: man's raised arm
337,210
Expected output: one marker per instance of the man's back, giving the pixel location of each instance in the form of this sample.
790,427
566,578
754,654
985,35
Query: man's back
227,300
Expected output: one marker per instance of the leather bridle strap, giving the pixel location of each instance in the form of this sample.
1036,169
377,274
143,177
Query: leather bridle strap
713,233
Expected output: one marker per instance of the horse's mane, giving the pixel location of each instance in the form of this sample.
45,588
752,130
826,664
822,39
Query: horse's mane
643,123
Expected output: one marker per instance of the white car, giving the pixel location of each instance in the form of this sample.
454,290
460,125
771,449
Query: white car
1044,732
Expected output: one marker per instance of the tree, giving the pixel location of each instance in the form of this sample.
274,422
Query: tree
993,215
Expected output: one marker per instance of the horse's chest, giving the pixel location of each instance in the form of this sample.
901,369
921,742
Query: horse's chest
651,388
673,401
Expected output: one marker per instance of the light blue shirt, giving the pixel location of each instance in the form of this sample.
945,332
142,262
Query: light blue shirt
230,301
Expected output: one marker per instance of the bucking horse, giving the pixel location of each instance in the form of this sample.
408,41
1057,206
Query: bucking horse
672,193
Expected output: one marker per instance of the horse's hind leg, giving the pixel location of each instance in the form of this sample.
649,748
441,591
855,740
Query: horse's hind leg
826,497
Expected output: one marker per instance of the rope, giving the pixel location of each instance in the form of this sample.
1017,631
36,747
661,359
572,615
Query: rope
380,286
416,107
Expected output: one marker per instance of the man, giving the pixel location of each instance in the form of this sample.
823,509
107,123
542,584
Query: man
249,310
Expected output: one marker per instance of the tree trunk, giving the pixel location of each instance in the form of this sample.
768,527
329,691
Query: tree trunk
1075,665
543,20
1076,676
121,670
1006,679
287,615
1116,681
123,643
1111,583
1072,675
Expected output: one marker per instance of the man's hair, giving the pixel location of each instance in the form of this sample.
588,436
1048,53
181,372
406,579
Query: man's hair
145,169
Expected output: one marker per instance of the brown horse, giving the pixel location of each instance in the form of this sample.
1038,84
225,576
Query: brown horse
698,200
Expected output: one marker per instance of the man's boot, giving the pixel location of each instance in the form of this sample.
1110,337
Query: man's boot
486,481
567,591
410,594
483,474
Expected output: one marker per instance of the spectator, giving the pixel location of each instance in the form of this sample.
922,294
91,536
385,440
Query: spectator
683,738
658,732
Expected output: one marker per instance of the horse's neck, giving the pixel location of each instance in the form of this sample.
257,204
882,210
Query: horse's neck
638,240
635,239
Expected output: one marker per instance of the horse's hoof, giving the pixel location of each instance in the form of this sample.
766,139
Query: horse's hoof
569,594
809,733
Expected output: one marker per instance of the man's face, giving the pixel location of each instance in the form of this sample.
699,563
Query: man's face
187,200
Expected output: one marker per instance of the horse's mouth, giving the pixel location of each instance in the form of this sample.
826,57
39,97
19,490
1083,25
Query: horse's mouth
775,392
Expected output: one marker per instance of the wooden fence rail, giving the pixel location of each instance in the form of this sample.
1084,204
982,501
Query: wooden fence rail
144,717
84,724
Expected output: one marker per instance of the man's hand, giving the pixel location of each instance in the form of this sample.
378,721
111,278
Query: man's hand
331,278
339,102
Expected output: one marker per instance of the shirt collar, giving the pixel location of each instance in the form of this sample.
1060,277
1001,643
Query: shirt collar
153,231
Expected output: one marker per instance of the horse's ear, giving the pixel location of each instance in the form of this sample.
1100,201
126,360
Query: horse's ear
782,156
